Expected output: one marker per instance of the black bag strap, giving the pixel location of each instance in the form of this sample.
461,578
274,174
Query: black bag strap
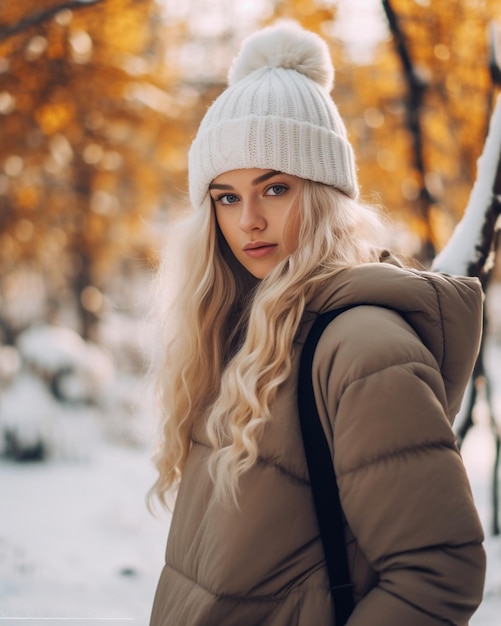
322,475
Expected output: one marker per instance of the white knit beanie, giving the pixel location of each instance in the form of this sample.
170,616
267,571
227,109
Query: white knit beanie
276,114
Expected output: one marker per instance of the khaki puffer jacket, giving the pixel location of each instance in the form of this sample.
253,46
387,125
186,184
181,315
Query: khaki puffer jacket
389,376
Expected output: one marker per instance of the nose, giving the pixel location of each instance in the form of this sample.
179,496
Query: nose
252,216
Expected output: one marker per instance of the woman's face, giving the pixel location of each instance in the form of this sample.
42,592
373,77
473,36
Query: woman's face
257,212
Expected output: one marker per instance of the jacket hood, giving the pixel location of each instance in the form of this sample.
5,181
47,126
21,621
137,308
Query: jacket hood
445,312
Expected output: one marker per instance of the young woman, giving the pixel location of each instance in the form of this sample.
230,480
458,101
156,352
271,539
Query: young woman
276,237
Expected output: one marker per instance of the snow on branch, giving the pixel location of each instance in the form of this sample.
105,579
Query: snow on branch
471,243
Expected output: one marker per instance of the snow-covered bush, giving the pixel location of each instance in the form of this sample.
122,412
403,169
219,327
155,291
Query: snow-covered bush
52,403
131,413
77,371
61,395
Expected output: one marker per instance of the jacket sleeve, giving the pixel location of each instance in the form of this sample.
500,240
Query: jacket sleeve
402,483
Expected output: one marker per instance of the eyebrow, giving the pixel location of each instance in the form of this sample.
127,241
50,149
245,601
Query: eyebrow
263,177
256,181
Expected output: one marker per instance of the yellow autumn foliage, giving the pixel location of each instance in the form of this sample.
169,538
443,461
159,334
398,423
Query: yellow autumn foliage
99,104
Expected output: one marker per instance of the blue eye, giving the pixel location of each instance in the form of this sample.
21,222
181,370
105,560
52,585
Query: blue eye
276,190
227,198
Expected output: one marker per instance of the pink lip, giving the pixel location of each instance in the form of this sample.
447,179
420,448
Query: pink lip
257,249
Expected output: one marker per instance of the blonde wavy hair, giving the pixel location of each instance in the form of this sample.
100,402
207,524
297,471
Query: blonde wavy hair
227,339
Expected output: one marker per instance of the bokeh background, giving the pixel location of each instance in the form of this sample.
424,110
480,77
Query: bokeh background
99,101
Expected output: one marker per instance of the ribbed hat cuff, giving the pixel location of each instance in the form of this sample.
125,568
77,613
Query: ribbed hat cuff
266,142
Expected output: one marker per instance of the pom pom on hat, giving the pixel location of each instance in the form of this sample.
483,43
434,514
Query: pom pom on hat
285,45
275,114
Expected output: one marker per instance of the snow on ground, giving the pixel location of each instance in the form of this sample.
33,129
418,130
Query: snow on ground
478,455
76,540
77,545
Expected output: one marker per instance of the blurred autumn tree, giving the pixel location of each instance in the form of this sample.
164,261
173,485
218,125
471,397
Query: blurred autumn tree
417,108
89,137
428,97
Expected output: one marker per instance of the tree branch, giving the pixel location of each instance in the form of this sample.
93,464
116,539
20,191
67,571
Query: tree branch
487,242
416,88
494,53
38,17
474,240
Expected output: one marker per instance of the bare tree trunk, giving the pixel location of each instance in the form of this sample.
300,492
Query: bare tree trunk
472,246
416,88
471,250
